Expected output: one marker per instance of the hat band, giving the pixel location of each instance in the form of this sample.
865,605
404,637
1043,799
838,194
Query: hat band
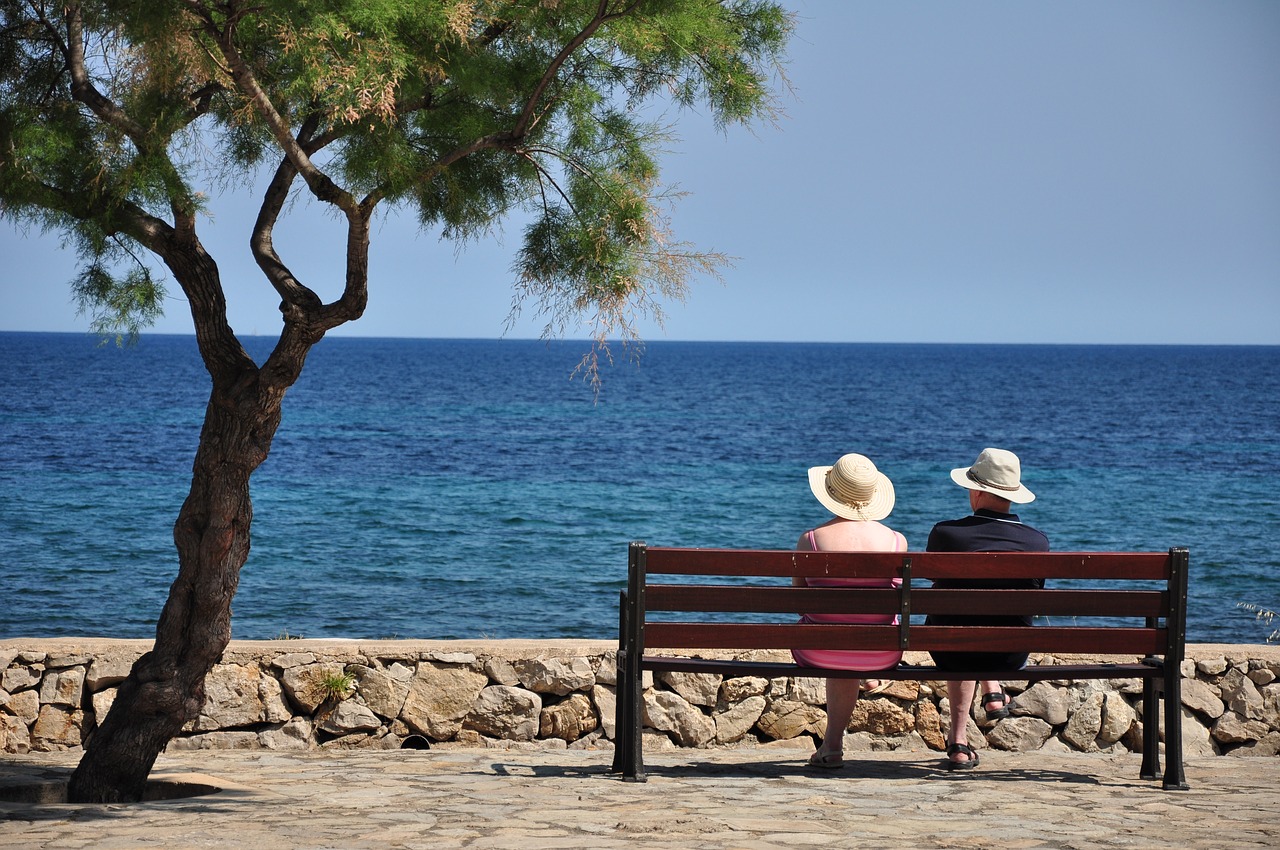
857,504
973,476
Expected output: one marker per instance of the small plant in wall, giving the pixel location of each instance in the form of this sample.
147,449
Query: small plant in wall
337,686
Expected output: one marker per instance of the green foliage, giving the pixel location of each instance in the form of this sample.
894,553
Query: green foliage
463,110
337,685
119,306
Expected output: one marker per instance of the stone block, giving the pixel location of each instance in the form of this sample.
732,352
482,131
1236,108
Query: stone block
881,717
1082,729
811,691
606,702
1202,698
1019,734
347,717
669,712
569,719
61,660
440,697
929,725
233,698
1042,700
784,719
1117,718
734,720
106,671
14,735
305,683
15,679
63,687
381,692
500,671
1241,695
56,727
741,687
294,734
696,688
24,705
503,711
559,676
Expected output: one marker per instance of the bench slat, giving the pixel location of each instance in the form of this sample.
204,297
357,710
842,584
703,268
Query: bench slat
1151,566
823,600
1076,639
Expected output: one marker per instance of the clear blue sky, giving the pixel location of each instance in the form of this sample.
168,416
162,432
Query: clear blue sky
1091,171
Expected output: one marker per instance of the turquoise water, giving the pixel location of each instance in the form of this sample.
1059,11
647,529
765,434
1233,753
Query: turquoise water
455,488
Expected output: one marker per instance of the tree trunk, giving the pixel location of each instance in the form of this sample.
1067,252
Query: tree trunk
165,689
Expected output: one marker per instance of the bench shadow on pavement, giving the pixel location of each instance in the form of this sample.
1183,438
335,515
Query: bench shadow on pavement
927,769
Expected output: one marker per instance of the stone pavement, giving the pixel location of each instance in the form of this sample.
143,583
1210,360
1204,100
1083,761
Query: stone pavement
758,798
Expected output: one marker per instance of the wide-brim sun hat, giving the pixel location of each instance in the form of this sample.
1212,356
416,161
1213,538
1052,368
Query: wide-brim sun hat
995,471
852,488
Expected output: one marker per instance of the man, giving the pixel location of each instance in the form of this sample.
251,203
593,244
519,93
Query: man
995,484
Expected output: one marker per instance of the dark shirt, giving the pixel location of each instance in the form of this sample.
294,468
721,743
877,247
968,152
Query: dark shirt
986,531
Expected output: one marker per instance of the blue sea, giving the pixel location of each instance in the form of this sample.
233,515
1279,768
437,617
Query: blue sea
475,488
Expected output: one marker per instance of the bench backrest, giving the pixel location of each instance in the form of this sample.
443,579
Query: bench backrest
1147,590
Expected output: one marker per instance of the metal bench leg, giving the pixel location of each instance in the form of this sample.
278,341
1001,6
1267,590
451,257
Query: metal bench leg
1174,780
620,761
633,741
1150,729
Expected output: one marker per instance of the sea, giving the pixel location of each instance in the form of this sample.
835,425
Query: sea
446,488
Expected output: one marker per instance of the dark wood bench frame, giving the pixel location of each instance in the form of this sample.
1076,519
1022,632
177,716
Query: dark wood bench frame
1156,638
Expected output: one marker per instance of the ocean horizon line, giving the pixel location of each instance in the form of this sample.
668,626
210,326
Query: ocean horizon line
647,341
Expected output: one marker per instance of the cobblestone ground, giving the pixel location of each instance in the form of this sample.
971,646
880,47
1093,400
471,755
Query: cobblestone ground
755,798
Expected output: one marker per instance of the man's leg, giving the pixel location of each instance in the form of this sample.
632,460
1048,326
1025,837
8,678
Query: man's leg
993,687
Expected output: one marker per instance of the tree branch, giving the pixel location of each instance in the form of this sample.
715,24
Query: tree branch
83,89
320,184
602,17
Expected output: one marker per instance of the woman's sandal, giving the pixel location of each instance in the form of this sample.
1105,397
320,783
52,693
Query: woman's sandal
996,713
871,687
826,761
961,749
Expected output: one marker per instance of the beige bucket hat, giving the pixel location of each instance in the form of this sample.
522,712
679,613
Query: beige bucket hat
853,488
995,471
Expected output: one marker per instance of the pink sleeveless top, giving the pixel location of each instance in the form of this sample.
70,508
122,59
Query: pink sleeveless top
878,538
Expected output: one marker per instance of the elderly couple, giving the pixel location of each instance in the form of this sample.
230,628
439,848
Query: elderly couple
860,496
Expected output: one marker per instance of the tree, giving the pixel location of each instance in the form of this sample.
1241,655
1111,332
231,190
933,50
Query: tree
112,113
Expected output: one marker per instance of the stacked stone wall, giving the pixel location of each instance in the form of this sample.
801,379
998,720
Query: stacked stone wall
389,694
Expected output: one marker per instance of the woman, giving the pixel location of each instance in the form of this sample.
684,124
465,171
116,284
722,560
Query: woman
860,496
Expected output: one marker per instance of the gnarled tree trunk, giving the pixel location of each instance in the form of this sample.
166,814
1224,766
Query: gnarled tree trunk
165,689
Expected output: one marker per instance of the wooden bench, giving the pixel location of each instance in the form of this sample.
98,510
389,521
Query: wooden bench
1143,595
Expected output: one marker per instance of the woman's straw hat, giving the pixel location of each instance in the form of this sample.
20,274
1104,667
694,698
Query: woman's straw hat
995,471
853,488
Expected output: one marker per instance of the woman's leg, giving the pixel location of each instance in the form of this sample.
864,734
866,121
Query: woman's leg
842,696
960,696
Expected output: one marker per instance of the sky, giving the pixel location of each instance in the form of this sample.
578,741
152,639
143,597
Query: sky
983,171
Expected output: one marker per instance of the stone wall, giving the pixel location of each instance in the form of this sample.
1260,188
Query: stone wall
387,694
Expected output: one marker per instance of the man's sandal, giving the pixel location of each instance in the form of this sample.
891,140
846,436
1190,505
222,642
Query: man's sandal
871,687
996,713
961,749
